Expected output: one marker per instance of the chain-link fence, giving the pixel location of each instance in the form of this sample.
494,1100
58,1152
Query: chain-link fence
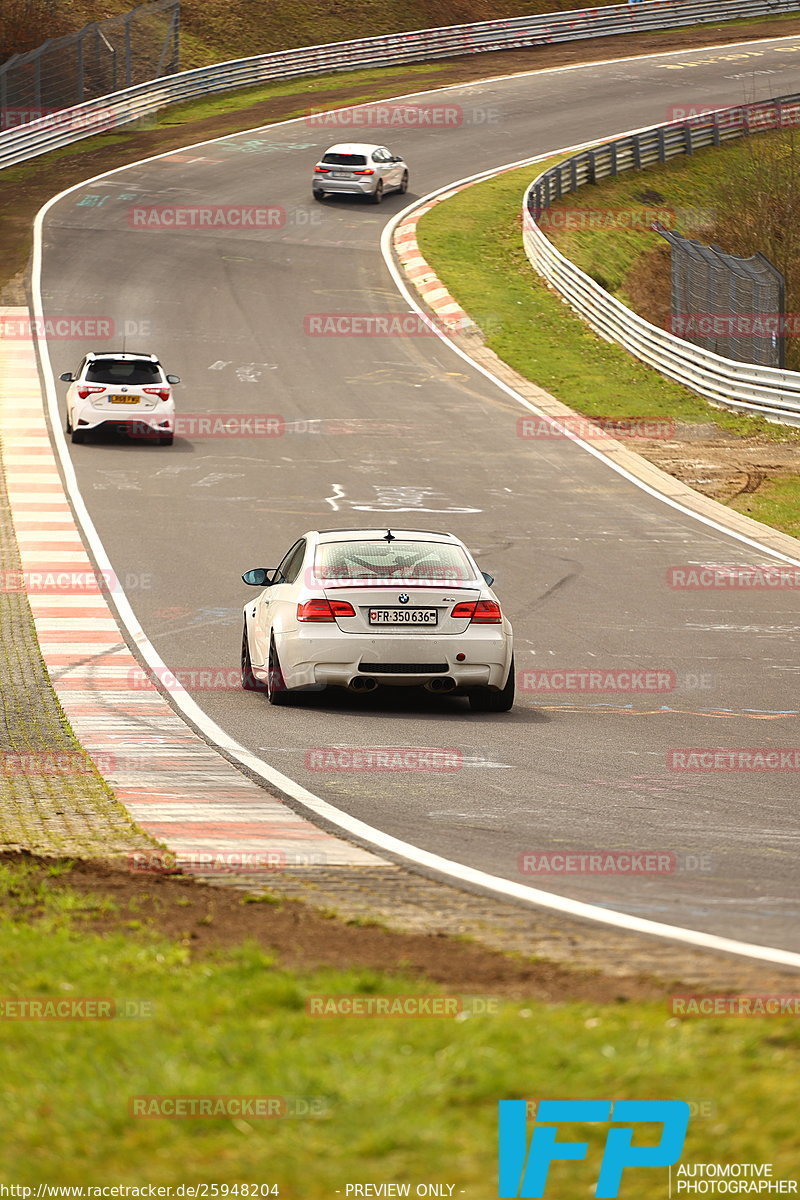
100,58
731,306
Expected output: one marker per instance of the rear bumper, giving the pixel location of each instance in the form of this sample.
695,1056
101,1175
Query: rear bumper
353,187
310,659
142,422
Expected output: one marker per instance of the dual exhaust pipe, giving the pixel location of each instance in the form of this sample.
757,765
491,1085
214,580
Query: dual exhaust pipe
364,683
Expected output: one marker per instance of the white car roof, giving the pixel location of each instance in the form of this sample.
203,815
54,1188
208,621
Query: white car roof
377,534
355,148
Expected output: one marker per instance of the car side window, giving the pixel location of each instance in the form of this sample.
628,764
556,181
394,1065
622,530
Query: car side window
292,562
380,156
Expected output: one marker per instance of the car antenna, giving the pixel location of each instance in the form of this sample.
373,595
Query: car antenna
389,536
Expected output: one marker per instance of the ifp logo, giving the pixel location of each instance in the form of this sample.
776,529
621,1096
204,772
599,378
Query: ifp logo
524,1171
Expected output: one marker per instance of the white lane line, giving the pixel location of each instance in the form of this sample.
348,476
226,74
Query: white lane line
320,808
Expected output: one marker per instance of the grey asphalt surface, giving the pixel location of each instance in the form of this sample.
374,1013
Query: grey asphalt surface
400,431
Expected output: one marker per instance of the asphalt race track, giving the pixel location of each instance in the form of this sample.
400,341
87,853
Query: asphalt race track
401,432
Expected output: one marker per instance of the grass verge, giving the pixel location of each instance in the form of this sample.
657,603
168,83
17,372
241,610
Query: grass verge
398,1098
474,243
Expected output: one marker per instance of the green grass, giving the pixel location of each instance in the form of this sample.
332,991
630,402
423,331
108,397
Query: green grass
405,1099
474,243
776,503
687,186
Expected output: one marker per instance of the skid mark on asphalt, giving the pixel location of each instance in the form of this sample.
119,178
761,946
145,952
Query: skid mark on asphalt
627,710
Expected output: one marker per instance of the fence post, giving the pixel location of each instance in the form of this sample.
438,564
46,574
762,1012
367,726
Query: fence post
128,63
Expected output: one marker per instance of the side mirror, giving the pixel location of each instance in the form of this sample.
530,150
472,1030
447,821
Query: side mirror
489,578
67,377
262,576
170,378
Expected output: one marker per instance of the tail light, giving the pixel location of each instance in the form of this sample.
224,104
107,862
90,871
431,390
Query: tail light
84,391
479,612
324,610
322,170
369,171
162,393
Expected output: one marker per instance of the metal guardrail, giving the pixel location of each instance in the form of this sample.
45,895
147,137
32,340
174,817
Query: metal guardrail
121,108
744,386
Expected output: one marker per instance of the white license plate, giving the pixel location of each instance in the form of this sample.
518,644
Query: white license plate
403,616
342,175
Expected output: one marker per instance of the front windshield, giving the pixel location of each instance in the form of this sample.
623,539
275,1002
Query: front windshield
379,560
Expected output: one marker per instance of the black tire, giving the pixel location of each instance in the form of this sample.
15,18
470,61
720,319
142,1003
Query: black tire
68,426
318,194
166,439
249,681
403,184
277,692
377,195
486,699
77,436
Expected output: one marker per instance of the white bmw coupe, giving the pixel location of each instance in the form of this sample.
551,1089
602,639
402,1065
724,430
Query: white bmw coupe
362,607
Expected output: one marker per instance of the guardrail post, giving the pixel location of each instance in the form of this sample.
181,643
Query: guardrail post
662,146
716,135
128,62
637,151
79,82
687,137
592,160
614,168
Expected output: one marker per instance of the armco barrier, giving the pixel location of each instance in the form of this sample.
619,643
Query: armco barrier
120,108
767,390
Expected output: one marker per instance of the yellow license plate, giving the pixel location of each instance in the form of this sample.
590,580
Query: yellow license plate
124,399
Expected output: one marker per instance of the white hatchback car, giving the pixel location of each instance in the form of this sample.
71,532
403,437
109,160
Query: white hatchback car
125,391
359,169
363,607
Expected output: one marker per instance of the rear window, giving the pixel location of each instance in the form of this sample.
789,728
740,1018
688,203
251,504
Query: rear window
113,370
345,160
375,561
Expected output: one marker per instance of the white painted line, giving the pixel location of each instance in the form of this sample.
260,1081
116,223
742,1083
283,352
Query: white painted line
315,805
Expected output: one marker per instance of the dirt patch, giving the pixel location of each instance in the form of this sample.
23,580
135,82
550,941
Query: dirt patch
722,466
206,919
22,197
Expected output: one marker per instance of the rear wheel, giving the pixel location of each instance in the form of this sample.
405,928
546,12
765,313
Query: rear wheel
166,439
377,195
486,699
249,681
403,184
318,194
277,692
68,426
77,436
